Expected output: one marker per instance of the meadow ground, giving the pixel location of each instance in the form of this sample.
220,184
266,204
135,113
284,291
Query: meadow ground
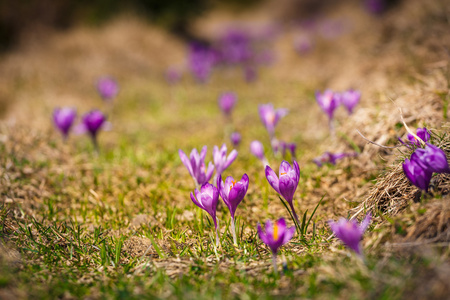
120,224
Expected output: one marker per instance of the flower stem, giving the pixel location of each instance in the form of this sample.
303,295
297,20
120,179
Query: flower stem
233,231
274,262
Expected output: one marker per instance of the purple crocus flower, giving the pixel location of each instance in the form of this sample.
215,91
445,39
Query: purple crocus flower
93,121
422,133
63,119
350,99
196,165
236,47
270,117
416,174
221,161
235,138
275,235
432,159
329,101
257,149
107,88
349,232
207,199
331,158
227,101
232,193
287,182
292,147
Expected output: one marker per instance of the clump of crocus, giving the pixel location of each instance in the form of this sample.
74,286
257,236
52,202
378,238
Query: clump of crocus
421,133
257,149
274,236
423,163
235,138
173,75
232,193
286,184
328,101
221,160
350,99
107,88
63,119
270,117
91,123
350,233
207,199
331,158
196,165
227,101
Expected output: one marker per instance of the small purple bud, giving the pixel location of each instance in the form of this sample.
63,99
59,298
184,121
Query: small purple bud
227,101
235,139
107,88
63,119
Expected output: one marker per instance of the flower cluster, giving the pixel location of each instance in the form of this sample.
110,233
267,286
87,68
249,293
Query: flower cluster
329,101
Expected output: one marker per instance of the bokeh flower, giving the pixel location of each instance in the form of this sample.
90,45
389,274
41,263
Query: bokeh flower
270,116
235,138
227,101
107,88
257,149
328,101
350,233
331,158
232,193
207,199
275,235
350,99
91,123
287,182
63,119
196,165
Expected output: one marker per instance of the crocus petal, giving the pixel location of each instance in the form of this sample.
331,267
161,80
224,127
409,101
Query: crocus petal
231,157
196,202
262,235
365,223
287,187
186,162
272,178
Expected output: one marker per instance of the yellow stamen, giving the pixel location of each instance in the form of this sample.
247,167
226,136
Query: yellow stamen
283,173
233,183
275,231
